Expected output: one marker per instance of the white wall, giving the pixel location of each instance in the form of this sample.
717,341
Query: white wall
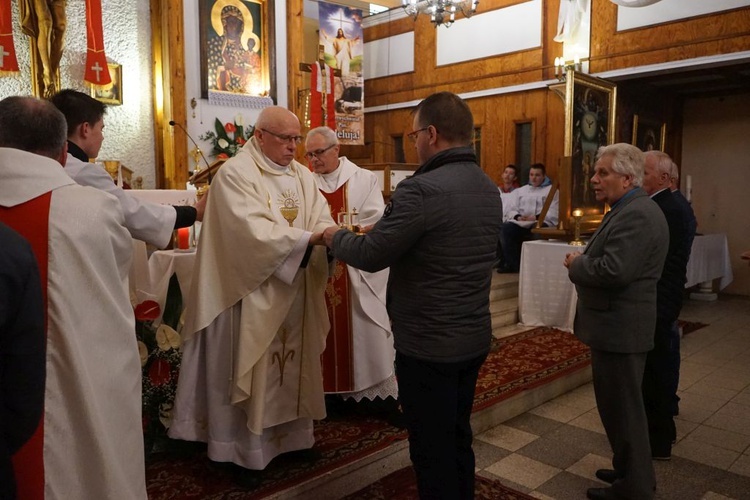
716,154
128,132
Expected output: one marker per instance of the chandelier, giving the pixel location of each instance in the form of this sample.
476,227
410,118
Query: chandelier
440,11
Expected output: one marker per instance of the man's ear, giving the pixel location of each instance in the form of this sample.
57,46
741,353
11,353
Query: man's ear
84,129
63,155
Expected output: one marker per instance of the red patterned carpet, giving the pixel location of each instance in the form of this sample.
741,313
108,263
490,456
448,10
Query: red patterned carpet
402,485
517,363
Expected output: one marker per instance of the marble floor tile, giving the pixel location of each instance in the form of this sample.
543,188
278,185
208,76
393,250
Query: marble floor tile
589,421
705,453
523,470
507,437
559,412
719,437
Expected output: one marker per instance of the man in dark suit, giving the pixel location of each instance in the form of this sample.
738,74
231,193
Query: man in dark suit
616,278
22,351
661,374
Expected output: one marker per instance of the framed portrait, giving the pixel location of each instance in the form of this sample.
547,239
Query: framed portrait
111,94
648,134
236,47
589,124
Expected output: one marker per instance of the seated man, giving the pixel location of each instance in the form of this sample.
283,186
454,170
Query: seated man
359,355
510,184
521,213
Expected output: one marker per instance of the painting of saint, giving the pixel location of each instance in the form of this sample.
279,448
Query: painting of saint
233,47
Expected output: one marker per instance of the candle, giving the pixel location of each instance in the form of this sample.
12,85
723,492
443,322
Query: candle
577,212
183,238
689,188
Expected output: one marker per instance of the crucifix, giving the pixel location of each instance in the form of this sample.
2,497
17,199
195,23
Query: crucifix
325,91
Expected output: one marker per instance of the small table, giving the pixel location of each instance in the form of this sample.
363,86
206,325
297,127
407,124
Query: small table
546,297
709,260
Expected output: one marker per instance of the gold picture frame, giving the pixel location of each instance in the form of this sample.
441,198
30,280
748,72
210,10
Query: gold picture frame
246,66
649,134
112,93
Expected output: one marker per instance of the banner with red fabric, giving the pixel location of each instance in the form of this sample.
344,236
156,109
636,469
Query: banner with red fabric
96,72
8,61
336,360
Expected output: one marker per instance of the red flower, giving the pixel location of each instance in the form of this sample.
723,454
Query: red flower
222,156
147,310
229,128
160,372
241,141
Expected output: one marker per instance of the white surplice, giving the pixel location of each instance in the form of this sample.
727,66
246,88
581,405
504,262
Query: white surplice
373,352
250,381
92,435
149,222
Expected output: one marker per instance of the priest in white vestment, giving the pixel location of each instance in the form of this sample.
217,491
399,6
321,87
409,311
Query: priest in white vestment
359,355
89,443
250,383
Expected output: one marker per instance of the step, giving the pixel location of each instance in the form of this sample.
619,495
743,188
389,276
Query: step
504,312
354,476
504,286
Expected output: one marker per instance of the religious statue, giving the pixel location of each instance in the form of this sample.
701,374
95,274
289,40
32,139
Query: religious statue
233,61
45,21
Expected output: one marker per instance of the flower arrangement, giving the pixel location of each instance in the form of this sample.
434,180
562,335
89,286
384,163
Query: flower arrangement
159,348
226,145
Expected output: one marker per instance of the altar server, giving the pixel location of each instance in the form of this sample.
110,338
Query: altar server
358,360
89,443
250,383
149,222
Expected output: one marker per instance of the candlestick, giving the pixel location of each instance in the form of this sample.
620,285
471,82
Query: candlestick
577,242
183,238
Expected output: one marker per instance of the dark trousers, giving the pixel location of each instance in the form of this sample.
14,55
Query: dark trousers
674,367
617,387
436,399
659,389
512,237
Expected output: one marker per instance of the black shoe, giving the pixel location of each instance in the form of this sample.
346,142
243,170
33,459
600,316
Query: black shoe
607,475
599,493
661,452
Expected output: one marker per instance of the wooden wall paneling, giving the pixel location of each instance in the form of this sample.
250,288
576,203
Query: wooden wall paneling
712,34
168,49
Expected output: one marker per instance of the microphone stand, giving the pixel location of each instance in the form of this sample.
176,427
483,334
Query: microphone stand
173,123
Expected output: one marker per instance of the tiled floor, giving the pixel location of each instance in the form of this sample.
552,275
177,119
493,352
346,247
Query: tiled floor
552,451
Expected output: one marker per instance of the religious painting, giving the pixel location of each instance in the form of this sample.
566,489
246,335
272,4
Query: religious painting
236,47
648,135
342,40
589,124
110,94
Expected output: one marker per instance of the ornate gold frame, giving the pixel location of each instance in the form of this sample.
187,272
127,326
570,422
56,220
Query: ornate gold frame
105,94
644,128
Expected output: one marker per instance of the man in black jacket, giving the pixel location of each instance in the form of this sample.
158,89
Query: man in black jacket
439,236
22,351
659,389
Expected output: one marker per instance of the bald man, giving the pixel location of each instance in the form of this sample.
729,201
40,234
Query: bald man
250,382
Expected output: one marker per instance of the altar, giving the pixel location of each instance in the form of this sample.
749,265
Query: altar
546,297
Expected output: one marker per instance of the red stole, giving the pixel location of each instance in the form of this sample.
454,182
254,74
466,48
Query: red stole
321,88
31,220
336,360
96,71
8,62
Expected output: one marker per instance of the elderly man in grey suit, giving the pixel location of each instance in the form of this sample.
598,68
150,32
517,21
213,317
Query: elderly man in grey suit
616,278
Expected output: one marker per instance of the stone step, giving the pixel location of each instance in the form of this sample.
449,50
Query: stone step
504,312
504,286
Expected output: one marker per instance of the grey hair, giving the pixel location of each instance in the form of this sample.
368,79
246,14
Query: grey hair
663,161
32,125
328,134
674,172
626,160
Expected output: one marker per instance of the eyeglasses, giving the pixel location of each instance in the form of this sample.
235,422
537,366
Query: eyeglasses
317,152
296,139
414,133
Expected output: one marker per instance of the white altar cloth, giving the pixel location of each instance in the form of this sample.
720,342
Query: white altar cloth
546,297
